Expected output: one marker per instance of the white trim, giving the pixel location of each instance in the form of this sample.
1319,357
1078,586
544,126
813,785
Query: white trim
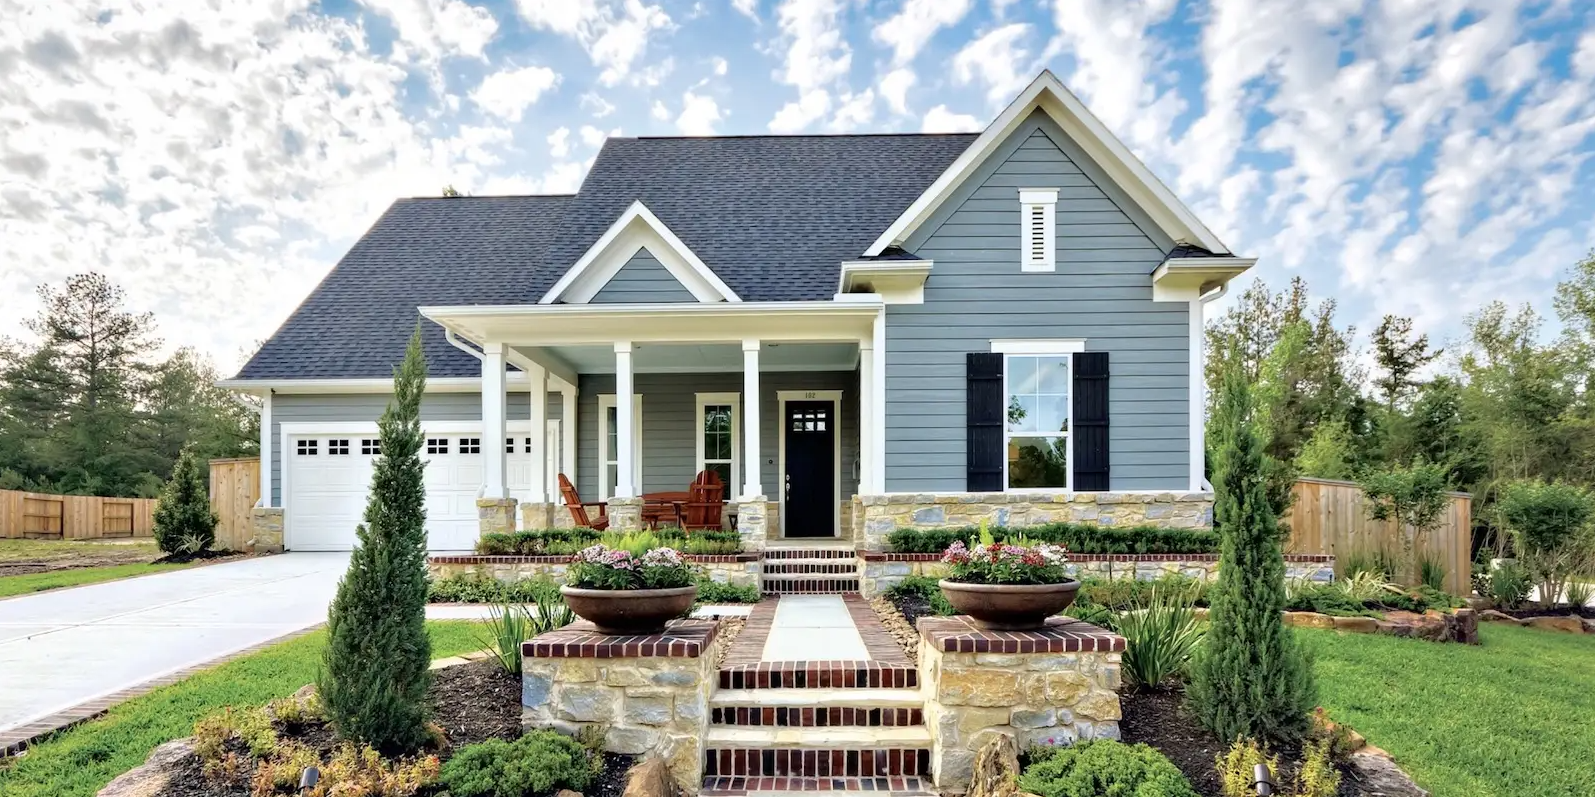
265,449
445,384
877,425
605,401
1068,457
495,413
1038,347
1198,388
735,400
1046,201
866,415
894,281
1182,279
1052,97
835,397
636,228
752,453
567,396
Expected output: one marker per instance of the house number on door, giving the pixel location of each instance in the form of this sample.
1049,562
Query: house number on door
811,394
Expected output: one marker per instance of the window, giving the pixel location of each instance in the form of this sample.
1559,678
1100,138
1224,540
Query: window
306,448
371,447
509,445
1037,439
1038,231
338,447
528,446
470,445
437,445
717,437
609,434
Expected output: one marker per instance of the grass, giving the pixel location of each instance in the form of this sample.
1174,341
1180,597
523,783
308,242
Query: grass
1511,717
77,577
79,761
51,550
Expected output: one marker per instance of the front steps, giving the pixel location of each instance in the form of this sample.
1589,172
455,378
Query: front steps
818,569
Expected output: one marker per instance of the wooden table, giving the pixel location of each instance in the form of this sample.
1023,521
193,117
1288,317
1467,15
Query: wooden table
663,506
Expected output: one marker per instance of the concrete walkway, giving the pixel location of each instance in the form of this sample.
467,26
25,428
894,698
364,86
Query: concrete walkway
813,628
64,648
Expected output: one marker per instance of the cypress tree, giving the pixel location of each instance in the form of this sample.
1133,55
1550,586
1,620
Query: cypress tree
184,522
1251,679
374,679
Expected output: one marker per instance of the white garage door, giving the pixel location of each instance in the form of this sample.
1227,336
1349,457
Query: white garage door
329,478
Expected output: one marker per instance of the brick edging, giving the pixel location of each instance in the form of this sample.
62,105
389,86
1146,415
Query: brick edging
16,740
473,559
1304,558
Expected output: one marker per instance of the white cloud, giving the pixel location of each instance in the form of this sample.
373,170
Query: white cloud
699,113
853,111
907,31
748,8
559,142
720,65
942,120
808,109
816,57
894,88
1115,59
615,33
598,105
594,138
439,27
659,111
509,93
997,59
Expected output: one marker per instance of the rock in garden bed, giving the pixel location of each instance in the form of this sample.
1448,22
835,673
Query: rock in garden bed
898,626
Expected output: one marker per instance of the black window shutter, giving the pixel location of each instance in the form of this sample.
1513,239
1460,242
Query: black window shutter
1091,421
984,422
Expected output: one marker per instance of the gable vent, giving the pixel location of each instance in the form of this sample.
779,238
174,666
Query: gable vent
1037,229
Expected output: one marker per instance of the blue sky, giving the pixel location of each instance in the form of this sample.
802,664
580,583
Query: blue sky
1417,158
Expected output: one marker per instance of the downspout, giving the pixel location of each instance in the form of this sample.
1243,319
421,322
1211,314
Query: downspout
454,340
1203,300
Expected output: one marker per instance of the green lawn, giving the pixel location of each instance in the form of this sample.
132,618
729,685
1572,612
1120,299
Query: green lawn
1515,716
79,761
55,579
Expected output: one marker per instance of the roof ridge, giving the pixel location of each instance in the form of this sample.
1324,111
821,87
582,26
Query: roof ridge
790,136
486,196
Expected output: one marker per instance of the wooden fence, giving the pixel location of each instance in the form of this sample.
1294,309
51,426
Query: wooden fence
1329,517
41,516
234,489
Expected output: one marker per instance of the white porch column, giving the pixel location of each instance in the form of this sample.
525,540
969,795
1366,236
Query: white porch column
567,428
265,449
750,419
625,402
866,417
493,422
877,423
537,379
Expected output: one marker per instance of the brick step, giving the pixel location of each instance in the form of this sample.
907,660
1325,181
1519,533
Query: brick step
787,566
896,786
817,552
818,698
808,584
832,717
862,761
819,675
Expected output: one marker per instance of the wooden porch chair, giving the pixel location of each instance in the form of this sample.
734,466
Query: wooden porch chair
706,505
578,507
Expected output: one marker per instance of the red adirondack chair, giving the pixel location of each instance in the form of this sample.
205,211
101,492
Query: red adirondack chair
706,504
578,507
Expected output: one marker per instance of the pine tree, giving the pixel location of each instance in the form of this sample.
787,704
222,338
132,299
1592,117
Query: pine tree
374,677
184,522
1251,679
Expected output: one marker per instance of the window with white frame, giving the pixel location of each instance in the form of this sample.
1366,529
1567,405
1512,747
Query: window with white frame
1038,453
609,437
1038,230
717,427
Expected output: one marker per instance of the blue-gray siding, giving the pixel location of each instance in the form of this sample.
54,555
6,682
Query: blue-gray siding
669,421
1101,291
367,407
643,280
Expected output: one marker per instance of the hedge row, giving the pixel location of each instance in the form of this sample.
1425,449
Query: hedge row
564,542
1077,537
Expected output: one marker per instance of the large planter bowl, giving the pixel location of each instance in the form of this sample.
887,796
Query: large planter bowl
1010,607
629,611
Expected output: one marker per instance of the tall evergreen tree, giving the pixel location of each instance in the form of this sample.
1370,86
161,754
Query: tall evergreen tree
1399,357
1251,679
374,677
184,522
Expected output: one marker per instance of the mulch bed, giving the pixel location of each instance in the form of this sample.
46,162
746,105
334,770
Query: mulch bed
1159,719
1587,612
912,607
202,556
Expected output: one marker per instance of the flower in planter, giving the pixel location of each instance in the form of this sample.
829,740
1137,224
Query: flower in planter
602,567
1006,563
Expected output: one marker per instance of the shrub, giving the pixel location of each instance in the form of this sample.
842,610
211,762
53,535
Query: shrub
249,726
1550,523
537,763
1104,767
184,522
1160,637
636,567
1362,559
1509,585
1237,767
568,542
1317,776
1412,497
363,771
1128,593
1082,538
374,675
480,588
280,773
508,625
924,588
1325,599
1579,593
715,592
1251,679
294,713
1431,572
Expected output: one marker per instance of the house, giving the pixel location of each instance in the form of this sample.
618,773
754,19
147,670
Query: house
856,331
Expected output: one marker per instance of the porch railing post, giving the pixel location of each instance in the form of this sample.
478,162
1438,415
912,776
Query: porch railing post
750,419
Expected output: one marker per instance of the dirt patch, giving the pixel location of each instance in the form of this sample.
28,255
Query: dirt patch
1587,612
729,628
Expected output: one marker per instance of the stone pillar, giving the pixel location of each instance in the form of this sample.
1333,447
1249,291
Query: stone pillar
1067,689
625,514
753,522
646,704
265,526
495,515
535,516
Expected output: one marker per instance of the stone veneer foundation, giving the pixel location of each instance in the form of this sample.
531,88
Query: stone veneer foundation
878,515
1046,687
650,694
265,529
879,572
741,568
495,515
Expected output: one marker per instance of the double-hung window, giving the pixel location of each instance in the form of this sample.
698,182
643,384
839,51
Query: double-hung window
1038,454
609,438
717,437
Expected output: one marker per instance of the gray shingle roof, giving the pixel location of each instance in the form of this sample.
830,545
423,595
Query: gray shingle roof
773,216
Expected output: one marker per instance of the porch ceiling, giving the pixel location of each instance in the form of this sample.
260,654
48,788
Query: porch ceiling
660,358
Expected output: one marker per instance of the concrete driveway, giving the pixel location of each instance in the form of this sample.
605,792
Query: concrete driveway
60,649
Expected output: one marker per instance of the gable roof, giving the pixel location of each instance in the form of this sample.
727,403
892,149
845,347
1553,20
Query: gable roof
638,228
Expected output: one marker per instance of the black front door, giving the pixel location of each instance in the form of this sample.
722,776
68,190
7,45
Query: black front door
810,429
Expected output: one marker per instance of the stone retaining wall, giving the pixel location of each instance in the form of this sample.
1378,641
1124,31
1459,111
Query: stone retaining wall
883,513
741,569
1067,689
879,572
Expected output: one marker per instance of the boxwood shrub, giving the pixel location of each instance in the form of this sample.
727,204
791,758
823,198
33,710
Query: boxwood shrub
1101,767
1077,537
566,542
